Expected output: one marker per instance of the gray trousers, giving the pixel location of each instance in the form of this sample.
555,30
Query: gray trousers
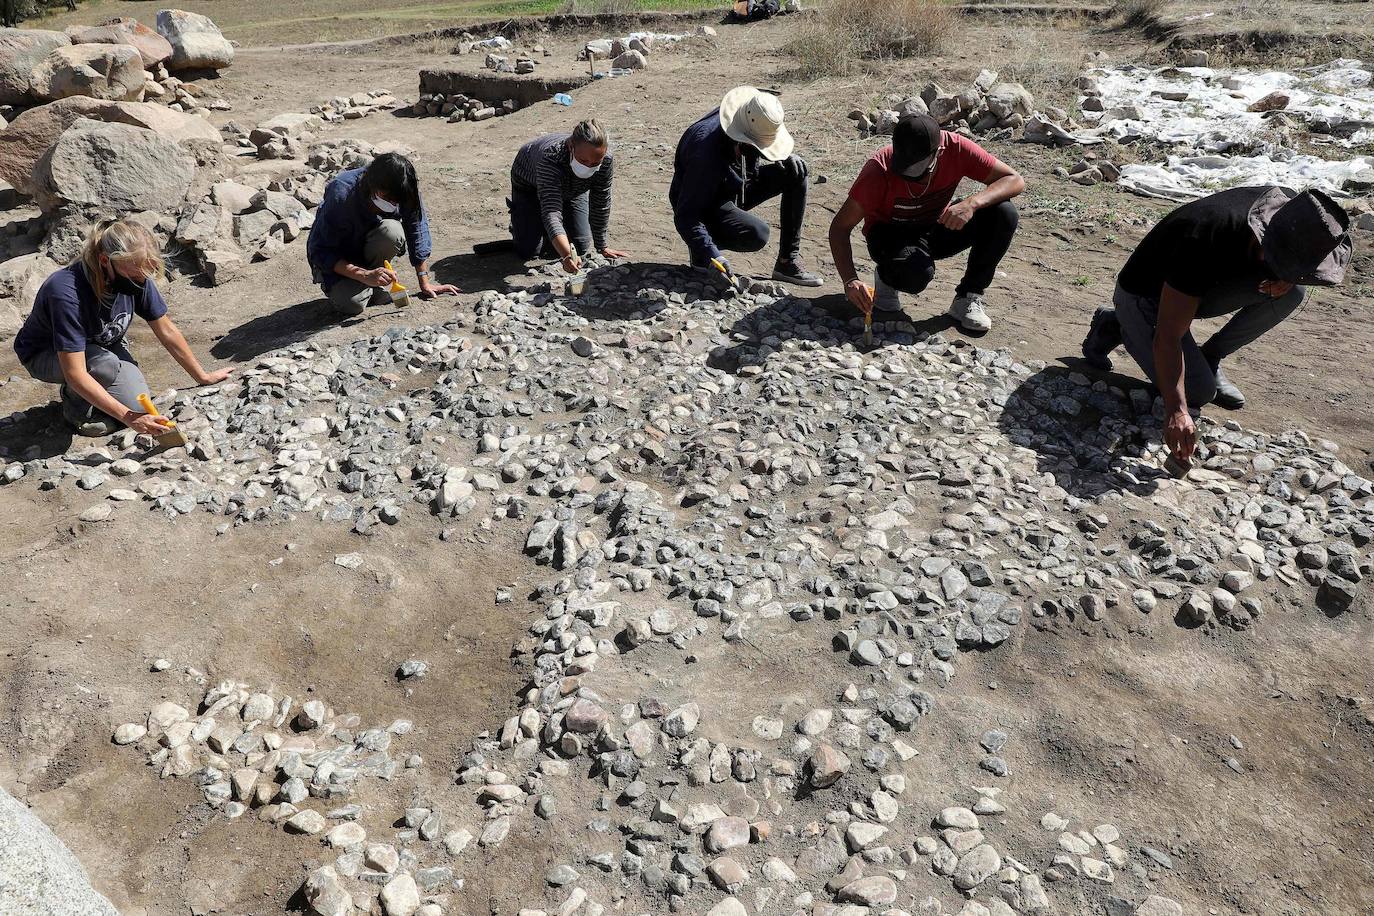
1255,313
386,242
113,367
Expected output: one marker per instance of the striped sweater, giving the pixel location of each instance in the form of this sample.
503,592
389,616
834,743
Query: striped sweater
542,166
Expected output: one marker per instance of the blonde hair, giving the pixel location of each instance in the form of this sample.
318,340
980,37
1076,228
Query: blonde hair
123,241
591,133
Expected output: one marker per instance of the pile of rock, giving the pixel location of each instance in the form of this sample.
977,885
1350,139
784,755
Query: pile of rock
623,53
988,107
1090,170
666,470
234,224
352,107
459,107
119,60
250,749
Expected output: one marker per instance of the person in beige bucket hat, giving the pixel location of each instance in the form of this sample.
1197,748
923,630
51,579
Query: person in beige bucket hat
730,161
1246,252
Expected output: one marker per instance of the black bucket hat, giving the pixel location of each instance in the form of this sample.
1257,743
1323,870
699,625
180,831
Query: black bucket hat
915,137
1304,237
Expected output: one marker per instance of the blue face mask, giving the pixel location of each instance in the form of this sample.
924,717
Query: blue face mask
384,205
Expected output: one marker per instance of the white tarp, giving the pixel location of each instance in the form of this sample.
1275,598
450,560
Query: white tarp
1223,144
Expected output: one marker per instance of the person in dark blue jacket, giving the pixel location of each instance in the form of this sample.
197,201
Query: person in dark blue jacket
370,216
729,162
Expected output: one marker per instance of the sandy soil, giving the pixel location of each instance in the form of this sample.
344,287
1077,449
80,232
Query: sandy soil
1133,724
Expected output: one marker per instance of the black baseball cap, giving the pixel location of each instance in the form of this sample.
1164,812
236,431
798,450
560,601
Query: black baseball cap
915,137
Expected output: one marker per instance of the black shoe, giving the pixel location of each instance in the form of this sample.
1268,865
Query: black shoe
792,272
1228,396
1104,336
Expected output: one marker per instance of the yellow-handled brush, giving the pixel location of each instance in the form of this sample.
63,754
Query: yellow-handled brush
172,437
868,319
399,296
729,277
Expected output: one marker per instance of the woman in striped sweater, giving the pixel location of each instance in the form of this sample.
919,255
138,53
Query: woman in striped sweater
560,203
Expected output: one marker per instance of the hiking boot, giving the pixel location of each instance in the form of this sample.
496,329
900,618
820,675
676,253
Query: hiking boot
1228,396
1104,336
792,272
969,312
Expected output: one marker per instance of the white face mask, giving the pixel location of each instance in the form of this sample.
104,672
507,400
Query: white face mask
385,206
583,171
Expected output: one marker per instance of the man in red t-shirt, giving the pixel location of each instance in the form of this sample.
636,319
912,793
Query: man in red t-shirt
904,196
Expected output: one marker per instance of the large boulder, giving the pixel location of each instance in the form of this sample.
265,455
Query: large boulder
34,132
123,30
20,51
1007,99
112,72
197,43
38,875
113,169
20,279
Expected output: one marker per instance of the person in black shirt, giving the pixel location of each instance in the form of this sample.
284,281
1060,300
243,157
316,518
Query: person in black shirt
1248,251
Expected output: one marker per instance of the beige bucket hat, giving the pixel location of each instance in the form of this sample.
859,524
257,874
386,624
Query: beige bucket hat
753,116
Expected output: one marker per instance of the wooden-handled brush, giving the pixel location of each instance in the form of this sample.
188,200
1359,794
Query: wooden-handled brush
172,438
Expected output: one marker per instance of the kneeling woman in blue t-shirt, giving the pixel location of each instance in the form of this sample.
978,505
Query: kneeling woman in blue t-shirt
75,334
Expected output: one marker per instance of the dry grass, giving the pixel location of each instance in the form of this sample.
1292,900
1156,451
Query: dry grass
1134,14
844,34
600,7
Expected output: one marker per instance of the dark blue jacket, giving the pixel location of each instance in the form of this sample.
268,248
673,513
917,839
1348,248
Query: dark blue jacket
705,175
343,221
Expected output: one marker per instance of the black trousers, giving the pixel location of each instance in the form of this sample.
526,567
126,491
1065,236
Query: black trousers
733,228
527,223
906,255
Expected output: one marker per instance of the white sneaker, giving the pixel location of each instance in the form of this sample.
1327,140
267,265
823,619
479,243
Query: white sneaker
968,311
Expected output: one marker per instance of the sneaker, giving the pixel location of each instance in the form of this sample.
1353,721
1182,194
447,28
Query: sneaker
968,311
1104,336
792,272
96,428
1228,396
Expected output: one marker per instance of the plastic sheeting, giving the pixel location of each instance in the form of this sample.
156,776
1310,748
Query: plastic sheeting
1204,111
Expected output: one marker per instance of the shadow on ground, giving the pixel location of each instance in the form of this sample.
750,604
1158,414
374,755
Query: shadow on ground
831,321
470,271
1086,429
286,326
38,433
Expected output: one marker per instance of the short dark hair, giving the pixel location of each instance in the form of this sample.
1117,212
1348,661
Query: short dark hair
393,176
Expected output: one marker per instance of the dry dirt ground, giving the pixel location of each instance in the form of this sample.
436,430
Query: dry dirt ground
1136,723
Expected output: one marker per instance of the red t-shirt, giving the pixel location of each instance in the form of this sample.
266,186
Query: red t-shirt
889,198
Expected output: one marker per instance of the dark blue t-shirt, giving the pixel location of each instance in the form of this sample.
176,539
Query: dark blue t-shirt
67,316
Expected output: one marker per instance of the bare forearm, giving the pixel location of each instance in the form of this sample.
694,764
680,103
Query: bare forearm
1168,353
562,246
350,271
1004,188
175,343
842,252
93,393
